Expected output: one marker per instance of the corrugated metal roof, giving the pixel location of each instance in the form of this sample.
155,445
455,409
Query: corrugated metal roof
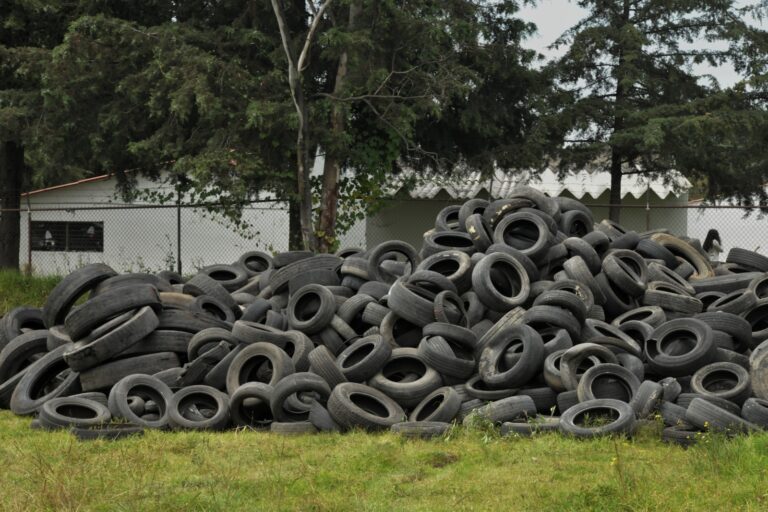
578,184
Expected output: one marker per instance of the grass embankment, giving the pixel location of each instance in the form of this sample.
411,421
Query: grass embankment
468,470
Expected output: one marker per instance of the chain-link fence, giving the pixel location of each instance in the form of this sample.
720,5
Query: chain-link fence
135,237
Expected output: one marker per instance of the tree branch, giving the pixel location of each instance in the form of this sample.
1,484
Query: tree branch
301,64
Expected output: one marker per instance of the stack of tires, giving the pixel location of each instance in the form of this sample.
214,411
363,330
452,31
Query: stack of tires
521,312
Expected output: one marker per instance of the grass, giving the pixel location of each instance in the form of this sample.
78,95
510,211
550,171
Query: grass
21,290
467,470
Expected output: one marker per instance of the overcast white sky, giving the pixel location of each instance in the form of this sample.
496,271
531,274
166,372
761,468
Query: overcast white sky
553,17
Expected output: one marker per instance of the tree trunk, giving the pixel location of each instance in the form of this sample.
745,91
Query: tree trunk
295,240
614,211
11,173
326,222
303,167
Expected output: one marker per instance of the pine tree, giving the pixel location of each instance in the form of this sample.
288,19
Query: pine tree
631,99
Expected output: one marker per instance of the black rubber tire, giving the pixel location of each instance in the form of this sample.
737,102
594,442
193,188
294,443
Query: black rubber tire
683,363
608,334
248,366
627,271
496,374
755,410
652,250
657,272
651,315
147,387
249,406
734,302
297,428
285,258
364,358
311,309
197,370
547,317
84,355
294,384
735,326
378,253
19,321
450,359
489,273
455,265
538,425
577,269
354,405
181,414
536,247
321,419
254,263
623,419
323,363
462,336
724,380
681,435
448,218
441,405
622,384
572,358
468,208
576,223
394,379
66,412
131,280
213,307
412,303
71,288
206,339
758,321
421,429
21,351
708,416
29,394
685,399
530,267
581,290
439,241
748,259
107,305
202,284
106,375
505,409
565,300
646,399
685,250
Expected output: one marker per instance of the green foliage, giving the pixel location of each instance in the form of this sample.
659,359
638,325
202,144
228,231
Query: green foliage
629,89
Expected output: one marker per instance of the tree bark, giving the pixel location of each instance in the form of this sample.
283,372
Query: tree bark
614,211
617,156
326,222
11,174
295,240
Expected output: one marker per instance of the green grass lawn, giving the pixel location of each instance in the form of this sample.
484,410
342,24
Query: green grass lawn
468,470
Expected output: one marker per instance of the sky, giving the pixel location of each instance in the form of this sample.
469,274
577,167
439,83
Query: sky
553,17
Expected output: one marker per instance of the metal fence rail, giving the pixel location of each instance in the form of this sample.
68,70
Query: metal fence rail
150,237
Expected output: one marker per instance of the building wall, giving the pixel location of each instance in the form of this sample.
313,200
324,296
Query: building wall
408,219
138,239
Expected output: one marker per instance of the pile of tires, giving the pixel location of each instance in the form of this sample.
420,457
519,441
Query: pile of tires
522,312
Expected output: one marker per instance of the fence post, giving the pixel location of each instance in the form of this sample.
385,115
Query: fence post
178,232
29,238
